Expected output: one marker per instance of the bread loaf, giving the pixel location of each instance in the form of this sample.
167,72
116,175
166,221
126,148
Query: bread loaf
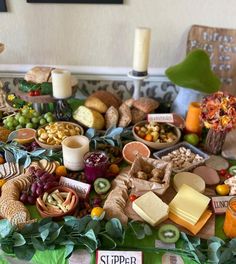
96,104
38,74
108,98
145,104
137,115
89,117
111,117
125,115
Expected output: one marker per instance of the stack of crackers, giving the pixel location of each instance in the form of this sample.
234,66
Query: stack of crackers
48,166
9,170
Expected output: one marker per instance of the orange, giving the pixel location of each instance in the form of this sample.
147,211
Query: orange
222,189
23,135
114,168
2,160
133,149
148,137
61,171
97,213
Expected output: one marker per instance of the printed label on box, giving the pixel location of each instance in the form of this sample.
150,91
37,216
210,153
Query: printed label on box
160,118
220,203
119,257
81,188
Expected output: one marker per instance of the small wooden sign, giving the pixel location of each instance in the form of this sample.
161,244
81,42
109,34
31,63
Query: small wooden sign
81,188
220,44
119,257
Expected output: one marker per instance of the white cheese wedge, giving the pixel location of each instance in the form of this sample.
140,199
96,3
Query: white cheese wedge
151,208
189,202
191,179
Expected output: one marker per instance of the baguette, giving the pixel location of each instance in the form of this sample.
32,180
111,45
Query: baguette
125,115
111,117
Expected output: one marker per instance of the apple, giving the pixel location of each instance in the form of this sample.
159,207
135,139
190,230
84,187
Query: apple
192,139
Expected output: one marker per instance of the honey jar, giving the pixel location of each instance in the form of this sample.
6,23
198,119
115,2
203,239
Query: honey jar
230,219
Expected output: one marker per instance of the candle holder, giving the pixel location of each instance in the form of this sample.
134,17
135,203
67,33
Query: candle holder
138,78
63,110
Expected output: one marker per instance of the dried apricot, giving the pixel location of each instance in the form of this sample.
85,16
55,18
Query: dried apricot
114,169
2,160
148,137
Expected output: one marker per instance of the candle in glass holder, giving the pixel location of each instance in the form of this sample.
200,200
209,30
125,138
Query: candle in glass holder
141,51
73,151
193,122
61,84
95,165
230,219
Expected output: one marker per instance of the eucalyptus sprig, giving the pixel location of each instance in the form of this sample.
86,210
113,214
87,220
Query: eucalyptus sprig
48,235
14,152
113,136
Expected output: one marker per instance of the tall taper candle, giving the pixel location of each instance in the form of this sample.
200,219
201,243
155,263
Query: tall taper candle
141,51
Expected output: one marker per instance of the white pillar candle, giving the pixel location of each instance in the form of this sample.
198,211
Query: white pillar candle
61,84
73,150
141,49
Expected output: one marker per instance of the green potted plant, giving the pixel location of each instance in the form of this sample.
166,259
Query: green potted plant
194,78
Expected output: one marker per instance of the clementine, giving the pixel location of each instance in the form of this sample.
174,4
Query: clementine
61,171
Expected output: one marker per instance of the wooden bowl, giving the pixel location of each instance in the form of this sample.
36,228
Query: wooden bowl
55,147
157,145
45,214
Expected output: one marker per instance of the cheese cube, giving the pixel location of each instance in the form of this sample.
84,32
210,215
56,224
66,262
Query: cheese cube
151,208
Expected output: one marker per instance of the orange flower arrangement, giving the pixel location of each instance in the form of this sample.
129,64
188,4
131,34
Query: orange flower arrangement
218,111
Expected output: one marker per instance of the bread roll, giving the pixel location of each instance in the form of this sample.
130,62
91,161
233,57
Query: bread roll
125,115
137,115
38,74
96,104
108,98
111,117
89,117
145,104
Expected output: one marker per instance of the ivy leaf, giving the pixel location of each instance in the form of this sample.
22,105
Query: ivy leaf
137,229
94,225
225,256
55,234
19,240
24,252
212,251
89,240
147,230
5,228
8,248
69,250
37,244
44,234
114,228
69,217
30,228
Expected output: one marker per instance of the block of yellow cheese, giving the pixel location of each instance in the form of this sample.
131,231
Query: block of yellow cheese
151,208
189,203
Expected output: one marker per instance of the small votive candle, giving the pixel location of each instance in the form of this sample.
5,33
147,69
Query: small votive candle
141,50
230,219
193,122
73,151
61,84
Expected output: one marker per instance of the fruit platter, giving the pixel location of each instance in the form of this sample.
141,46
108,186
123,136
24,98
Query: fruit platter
110,176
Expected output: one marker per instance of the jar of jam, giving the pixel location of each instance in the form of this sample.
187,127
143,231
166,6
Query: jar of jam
95,165
230,219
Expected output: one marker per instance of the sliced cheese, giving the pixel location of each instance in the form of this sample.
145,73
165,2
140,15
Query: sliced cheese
192,228
189,202
151,208
191,179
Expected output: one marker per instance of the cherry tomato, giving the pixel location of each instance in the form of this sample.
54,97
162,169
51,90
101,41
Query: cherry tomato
36,93
132,197
31,93
223,172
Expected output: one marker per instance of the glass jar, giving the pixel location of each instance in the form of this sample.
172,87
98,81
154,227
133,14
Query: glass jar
95,165
230,219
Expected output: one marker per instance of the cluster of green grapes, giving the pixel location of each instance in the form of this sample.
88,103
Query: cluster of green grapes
29,118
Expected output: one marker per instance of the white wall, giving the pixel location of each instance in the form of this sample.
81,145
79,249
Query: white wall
102,35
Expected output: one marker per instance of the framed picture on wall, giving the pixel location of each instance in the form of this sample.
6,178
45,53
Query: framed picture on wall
77,1
3,7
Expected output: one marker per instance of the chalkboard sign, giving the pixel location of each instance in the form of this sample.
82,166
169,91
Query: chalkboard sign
220,44
3,7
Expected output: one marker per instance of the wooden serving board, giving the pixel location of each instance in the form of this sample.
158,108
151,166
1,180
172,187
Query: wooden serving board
206,232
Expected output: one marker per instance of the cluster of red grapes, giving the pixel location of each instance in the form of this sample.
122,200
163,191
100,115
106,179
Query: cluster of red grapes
42,182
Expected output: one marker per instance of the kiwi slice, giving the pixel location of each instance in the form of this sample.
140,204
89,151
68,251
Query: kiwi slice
101,185
168,233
